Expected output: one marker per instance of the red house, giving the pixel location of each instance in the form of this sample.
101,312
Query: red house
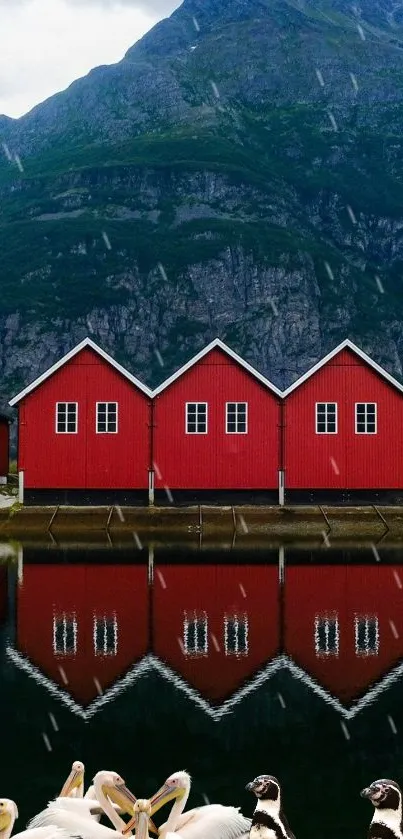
216,430
4,448
84,432
216,625
343,624
343,431
83,626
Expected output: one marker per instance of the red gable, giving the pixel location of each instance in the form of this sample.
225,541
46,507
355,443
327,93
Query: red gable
216,459
83,626
344,624
85,459
216,625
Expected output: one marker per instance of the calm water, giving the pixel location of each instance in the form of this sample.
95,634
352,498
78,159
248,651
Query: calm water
228,663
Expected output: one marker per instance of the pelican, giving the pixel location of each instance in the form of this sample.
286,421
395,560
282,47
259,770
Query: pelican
72,795
73,786
142,813
73,815
8,815
212,820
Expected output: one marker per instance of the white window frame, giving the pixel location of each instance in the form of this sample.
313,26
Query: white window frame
57,413
327,619
65,619
98,621
188,620
236,417
336,417
371,433
193,433
237,620
105,402
366,619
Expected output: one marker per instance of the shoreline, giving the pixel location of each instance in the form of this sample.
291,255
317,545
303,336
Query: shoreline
243,523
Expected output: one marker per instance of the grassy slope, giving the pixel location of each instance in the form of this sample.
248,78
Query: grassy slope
289,154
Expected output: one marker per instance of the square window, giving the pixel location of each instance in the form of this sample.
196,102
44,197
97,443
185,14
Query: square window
366,635
236,635
365,418
65,634
105,635
195,634
196,418
66,417
107,418
326,417
326,635
236,417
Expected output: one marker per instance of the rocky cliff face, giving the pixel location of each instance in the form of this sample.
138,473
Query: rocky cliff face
238,175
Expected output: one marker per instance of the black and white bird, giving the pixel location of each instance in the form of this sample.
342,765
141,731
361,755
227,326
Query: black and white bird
269,821
386,796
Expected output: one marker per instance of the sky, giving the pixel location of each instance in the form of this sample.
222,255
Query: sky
46,44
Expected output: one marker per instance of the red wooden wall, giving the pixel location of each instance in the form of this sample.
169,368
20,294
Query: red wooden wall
216,460
85,459
4,447
84,591
216,591
346,592
346,459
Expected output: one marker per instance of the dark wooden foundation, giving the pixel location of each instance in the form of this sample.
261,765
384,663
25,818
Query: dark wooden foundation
217,497
348,497
86,497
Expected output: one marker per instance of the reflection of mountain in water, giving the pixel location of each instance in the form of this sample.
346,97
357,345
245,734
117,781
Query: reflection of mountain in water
3,592
217,632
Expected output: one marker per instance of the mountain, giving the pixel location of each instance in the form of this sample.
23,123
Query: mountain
238,174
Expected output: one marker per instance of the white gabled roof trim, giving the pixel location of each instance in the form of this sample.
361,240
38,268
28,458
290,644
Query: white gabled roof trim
87,342
141,668
217,343
152,664
347,344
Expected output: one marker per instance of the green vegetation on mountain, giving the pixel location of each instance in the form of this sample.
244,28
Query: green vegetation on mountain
239,174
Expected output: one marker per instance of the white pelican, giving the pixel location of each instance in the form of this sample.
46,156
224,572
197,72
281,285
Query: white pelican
73,786
142,813
8,815
211,820
72,794
72,815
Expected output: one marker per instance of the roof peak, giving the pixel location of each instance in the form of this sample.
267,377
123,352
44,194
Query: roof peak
346,344
216,343
86,342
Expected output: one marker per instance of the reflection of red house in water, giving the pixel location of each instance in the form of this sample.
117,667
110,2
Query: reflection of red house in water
344,624
216,625
218,631
83,626
3,592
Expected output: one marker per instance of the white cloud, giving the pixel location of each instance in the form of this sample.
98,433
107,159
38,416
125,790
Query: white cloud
160,7
46,44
